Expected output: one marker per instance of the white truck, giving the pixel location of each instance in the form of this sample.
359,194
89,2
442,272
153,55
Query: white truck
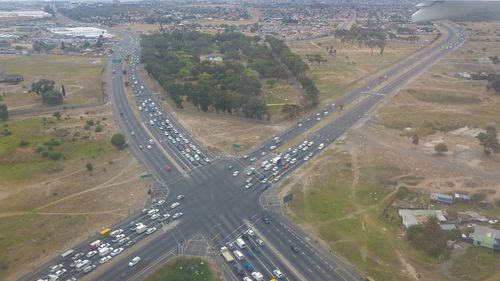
105,251
241,243
140,228
224,251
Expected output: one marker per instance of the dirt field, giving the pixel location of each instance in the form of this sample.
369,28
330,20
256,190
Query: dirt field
47,206
80,76
341,195
351,65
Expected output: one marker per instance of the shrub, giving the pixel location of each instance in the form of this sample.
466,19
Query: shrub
54,155
98,128
89,167
24,143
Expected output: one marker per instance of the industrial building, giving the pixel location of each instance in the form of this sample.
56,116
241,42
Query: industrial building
80,32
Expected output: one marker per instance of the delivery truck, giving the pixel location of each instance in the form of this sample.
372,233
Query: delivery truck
241,243
224,251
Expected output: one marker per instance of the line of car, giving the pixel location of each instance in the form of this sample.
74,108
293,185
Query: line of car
243,249
104,249
158,118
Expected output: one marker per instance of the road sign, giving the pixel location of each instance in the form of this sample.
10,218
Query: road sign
116,61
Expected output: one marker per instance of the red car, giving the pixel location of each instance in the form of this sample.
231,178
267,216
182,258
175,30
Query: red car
168,168
286,166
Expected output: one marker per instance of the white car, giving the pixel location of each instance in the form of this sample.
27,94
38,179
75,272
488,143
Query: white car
257,275
177,215
116,252
174,205
104,259
155,216
249,180
151,230
248,185
102,246
246,278
161,202
91,254
55,268
238,255
272,147
180,197
278,273
260,242
134,261
236,173
250,232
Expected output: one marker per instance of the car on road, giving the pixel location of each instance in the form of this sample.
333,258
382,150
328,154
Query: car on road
259,242
238,255
248,185
60,272
246,278
180,197
249,180
251,232
174,205
87,269
151,230
168,168
177,215
155,216
236,173
257,275
105,259
295,249
272,147
56,267
277,273
91,254
130,243
266,220
77,256
116,252
149,146
152,211
161,202
134,261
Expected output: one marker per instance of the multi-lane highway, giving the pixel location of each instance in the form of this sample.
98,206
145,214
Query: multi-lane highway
221,197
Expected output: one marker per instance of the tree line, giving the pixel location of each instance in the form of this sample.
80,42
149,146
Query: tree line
186,64
369,37
297,66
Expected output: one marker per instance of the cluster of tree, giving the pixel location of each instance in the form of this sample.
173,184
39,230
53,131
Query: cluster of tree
430,238
370,37
40,46
489,140
45,88
4,112
174,60
494,83
297,66
315,58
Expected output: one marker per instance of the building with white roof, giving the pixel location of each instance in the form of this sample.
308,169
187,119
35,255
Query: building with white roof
81,32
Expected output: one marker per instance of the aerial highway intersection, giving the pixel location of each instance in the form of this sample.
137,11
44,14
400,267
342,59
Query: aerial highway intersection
225,208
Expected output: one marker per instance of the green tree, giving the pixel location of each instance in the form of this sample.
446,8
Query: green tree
489,140
415,140
4,112
89,167
52,98
57,115
43,85
441,148
118,140
429,237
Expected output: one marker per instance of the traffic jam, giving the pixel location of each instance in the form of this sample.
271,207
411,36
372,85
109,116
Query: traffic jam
110,243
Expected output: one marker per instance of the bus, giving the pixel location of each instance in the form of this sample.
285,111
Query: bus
67,254
104,232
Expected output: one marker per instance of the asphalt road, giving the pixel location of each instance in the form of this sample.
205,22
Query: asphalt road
217,207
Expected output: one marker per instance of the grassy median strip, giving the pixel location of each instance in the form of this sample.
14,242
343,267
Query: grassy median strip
181,269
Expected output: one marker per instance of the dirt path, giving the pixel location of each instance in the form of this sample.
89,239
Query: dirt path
100,186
